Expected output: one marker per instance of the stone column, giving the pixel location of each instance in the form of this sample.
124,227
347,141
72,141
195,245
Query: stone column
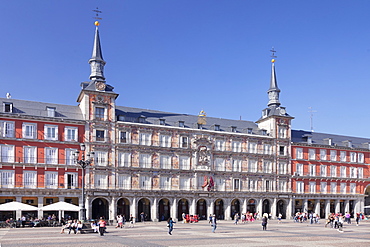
244,208
211,208
88,207
346,206
259,207
192,207
174,209
337,206
113,209
228,211
290,208
154,210
133,208
327,208
18,213
305,205
273,209
40,204
317,207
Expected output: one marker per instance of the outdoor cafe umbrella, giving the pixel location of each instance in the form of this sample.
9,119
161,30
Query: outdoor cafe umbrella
60,206
18,207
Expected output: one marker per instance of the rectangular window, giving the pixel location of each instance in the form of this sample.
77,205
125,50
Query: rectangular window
70,134
100,135
236,184
7,179
165,183
70,180
220,184
333,187
236,146
7,153
282,132
268,186
299,170
51,180
360,172
51,156
352,156
145,182
165,161
181,124
282,150
124,181
51,132
145,161
312,187
323,187
124,159
145,139
343,156
8,107
343,188
312,154
322,154
300,187
123,137
333,155
184,141
30,155
29,130
267,166
252,185
220,145
299,153
252,147
361,158
282,168
237,165
165,141
101,181
353,172
343,171
217,127
184,163
282,186
7,129
70,156
50,111
312,170
100,113
101,158
30,179
252,165
184,183
333,171
323,169
352,188
219,164
267,149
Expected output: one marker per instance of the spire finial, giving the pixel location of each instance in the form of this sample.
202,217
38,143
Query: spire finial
96,61
273,55
97,12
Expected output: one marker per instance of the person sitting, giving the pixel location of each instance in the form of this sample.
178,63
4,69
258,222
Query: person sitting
94,226
79,227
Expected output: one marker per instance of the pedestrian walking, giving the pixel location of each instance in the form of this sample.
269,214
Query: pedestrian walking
132,220
170,223
264,223
214,223
102,224
279,218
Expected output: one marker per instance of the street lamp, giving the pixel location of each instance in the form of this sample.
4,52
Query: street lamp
83,163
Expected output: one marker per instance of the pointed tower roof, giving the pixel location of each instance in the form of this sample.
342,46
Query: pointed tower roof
96,61
274,90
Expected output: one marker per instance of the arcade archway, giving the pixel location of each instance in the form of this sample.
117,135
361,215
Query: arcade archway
219,209
144,207
100,208
164,209
202,209
182,207
123,207
235,208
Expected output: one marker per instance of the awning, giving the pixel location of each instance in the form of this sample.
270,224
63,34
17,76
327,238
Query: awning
14,206
61,206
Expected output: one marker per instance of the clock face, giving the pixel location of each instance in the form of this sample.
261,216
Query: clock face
282,111
100,86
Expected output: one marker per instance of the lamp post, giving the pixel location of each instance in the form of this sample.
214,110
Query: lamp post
83,163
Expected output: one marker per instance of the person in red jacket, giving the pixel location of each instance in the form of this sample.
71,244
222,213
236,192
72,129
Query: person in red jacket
102,225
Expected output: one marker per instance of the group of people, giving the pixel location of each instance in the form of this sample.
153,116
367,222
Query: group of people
303,217
337,220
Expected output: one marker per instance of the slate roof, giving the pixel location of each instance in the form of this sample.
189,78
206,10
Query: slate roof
172,119
301,136
39,109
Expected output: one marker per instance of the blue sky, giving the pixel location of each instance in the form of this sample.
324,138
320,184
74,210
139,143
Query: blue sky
187,55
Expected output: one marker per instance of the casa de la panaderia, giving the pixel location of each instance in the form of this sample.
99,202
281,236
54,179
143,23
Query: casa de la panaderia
166,164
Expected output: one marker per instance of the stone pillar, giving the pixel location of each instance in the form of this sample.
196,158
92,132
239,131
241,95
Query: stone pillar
259,207
227,212
211,208
273,209
327,208
18,213
192,210
346,206
40,204
88,207
154,210
244,208
290,208
305,205
174,209
337,206
317,207
113,209
133,208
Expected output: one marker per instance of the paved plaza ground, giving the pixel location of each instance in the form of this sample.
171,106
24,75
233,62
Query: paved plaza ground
196,234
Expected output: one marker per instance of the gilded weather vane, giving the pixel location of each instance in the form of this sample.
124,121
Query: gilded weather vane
97,18
273,55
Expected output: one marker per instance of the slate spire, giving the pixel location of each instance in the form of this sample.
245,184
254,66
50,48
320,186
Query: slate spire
96,61
274,90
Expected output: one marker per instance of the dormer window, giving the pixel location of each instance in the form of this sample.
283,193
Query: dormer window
249,130
181,124
264,132
233,129
162,122
8,107
51,111
200,126
142,119
217,127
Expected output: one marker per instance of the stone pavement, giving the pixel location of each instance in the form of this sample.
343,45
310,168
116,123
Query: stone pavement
196,234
